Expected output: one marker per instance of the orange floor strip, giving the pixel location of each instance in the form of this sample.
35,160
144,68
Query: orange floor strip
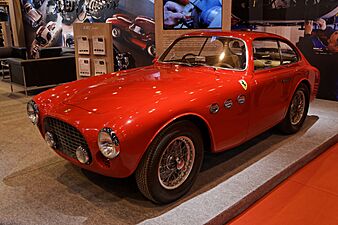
310,197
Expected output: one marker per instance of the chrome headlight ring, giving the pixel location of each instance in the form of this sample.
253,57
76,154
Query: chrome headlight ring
108,143
33,112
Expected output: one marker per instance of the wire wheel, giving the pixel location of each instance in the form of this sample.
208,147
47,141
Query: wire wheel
176,162
297,108
116,32
151,50
172,161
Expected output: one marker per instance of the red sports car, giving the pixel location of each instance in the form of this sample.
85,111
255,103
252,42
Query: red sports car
140,31
209,91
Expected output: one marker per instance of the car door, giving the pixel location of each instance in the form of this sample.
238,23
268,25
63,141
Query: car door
291,70
266,86
231,122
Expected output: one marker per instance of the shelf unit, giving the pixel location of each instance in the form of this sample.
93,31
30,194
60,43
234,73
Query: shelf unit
93,49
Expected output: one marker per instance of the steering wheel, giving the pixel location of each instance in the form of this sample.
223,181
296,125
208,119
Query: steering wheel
188,54
232,48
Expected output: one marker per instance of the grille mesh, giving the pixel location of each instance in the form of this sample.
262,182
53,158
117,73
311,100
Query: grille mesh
68,138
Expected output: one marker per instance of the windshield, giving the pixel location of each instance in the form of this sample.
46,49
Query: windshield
224,52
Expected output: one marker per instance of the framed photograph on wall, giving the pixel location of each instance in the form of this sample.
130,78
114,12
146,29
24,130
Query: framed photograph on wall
192,14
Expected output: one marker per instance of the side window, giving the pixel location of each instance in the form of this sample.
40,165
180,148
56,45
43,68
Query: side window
288,54
266,54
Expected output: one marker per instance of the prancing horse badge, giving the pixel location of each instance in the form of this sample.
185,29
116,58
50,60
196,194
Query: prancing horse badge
244,84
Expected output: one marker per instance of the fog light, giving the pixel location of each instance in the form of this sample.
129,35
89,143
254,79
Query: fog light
49,138
82,155
33,112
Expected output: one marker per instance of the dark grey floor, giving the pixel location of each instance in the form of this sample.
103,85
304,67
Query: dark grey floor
38,187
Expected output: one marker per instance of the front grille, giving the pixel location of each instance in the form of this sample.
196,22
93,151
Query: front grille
68,138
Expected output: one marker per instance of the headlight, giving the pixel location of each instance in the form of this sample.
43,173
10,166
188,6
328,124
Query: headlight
108,143
33,112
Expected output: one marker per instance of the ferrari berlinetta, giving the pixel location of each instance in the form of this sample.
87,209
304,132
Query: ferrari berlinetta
209,91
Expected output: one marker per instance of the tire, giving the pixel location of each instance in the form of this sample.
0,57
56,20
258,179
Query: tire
297,111
116,32
151,50
150,177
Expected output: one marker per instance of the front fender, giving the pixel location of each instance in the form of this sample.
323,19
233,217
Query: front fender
155,130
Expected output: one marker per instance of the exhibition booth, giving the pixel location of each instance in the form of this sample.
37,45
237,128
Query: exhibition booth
160,112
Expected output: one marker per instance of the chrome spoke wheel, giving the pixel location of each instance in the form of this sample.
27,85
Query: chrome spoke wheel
176,162
151,50
116,32
171,163
297,107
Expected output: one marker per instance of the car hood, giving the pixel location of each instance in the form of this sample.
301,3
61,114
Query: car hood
138,88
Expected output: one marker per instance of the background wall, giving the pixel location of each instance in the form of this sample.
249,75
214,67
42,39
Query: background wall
311,25
40,15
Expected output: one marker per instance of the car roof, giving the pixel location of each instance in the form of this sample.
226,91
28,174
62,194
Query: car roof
237,34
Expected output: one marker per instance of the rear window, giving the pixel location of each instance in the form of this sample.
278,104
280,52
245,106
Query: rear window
288,54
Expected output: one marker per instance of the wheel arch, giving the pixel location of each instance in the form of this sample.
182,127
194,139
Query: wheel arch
199,121
302,81
203,127
307,84
285,125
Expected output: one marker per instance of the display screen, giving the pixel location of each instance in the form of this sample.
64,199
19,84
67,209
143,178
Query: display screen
192,14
